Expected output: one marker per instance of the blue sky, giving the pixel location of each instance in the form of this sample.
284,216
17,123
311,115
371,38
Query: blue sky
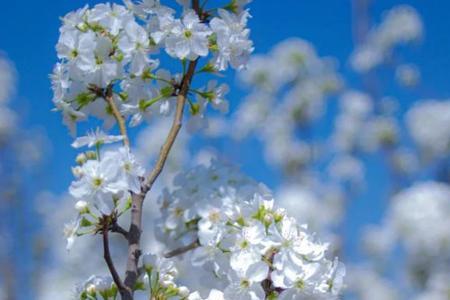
29,32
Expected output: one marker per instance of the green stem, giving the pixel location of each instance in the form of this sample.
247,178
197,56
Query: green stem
152,101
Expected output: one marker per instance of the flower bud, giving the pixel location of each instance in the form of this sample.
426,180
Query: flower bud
81,159
91,155
149,260
279,214
167,278
183,291
268,218
82,206
91,290
165,282
77,171
103,284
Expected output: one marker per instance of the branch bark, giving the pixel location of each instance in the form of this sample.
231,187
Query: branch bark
109,262
182,250
176,126
119,229
118,116
134,233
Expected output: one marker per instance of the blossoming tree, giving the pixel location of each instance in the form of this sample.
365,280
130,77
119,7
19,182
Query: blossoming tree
214,217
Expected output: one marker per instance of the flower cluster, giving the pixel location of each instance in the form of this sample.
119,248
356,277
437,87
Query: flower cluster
239,235
193,36
418,221
104,181
291,81
359,128
366,284
363,127
160,276
407,75
429,125
419,216
437,287
96,286
320,207
402,24
107,58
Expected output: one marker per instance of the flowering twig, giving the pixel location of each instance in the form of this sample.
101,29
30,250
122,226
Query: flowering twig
134,233
182,250
134,251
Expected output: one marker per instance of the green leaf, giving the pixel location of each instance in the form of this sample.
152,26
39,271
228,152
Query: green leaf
85,222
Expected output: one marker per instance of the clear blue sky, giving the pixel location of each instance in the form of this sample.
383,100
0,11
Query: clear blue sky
29,32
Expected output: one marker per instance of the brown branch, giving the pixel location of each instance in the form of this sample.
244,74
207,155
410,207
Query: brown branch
176,126
108,259
134,237
119,229
196,6
134,233
182,250
117,115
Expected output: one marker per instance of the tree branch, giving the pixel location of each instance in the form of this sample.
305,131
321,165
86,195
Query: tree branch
107,256
119,229
134,233
176,126
182,250
117,115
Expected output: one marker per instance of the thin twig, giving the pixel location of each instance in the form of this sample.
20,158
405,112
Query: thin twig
117,115
108,259
176,126
182,250
119,229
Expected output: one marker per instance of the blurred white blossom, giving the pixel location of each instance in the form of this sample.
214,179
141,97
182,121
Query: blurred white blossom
400,25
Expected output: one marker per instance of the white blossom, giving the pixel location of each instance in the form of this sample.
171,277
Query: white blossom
429,125
96,138
233,42
241,233
188,38
402,24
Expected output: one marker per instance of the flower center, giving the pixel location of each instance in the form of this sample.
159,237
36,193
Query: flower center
245,283
300,284
179,211
97,182
286,244
214,217
74,53
127,167
244,244
187,34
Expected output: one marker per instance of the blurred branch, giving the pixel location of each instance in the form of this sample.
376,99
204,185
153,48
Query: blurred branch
182,250
361,20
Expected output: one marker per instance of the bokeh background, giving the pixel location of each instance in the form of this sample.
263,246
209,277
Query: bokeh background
357,142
